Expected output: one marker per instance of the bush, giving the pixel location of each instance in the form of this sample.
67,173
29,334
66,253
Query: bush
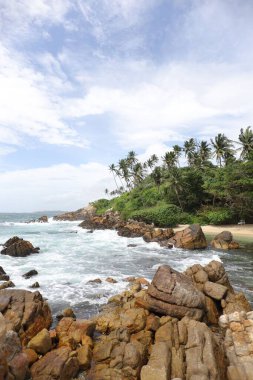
216,216
101,206
161,216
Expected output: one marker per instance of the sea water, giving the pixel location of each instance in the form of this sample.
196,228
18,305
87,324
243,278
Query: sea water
70,257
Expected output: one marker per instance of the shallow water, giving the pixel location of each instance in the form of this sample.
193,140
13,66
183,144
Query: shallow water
70,257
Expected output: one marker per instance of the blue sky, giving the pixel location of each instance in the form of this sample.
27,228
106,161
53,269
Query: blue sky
82,82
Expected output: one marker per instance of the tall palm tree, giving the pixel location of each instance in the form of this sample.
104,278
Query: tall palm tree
138,173
223,147
204,151
157,176
189,148
170,159
177,150
131,158
246,142
113,170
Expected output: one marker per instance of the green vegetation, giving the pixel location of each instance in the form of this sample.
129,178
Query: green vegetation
162,192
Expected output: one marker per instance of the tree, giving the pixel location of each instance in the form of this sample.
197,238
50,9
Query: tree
157,177
170,159
204,150
246,142
113,170
189,149
223,148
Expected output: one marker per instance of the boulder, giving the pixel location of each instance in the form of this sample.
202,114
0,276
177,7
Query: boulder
173,293
43,219
69,313
58,364
191,237
3,275
18,247
84,355
25,312
159,363
41,343
224,240
70,332
214,290
7,284
30,274
35,285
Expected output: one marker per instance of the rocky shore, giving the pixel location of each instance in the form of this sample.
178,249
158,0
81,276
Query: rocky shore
184,326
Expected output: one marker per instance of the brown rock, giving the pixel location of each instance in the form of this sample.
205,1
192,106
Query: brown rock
69,329
224,240
111,280
84,355
80,214
18,247
212,312
58,364
214,290
153,322
7,284
25,312
191,237
159,364
41,343
31,356
43,219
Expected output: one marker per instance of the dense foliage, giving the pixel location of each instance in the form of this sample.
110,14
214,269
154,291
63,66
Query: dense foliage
159,191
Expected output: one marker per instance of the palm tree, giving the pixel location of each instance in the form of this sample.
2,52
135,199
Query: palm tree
157,176
246,142
223,148
170,159
113,170
204,151
175,183
131,158
189,149
138,173
106,191
177,150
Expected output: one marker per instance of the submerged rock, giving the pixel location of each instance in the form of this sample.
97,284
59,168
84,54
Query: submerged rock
191,237
224,240
18,247
30,274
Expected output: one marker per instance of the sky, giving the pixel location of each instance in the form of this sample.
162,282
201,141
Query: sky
82,82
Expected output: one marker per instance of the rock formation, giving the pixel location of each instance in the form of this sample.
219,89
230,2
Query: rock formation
224,240
191,237
80,214
18,247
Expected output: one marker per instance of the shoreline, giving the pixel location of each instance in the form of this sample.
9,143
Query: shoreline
240,232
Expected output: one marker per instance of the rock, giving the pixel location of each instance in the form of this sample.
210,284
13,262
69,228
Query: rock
35,285
25,312
158,235
18,247
58,364
172,293
69,313
95,281
3,275
132,245
111,280
214,290
68,330
191,237
31,356
159,363
84,355
224,240
80,214
41,343
30,274
43,219
7,284
90,232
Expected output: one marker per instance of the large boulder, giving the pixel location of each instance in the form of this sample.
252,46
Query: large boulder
224,240
18,247
191,237
25,312
59,364
173,293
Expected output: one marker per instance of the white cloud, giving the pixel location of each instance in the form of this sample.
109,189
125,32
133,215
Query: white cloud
59,187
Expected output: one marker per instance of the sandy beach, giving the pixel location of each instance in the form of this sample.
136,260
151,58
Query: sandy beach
238,231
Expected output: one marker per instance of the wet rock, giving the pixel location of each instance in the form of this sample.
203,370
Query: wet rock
58,364
3,275
224,240
191,237
111,280
7,284
95,281
158,235
41,343
132,245
90,232
30,274
18,247
35,285
172,293
24,312
43,219
69,313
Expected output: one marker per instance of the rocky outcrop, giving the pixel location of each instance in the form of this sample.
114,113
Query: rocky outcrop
225,241
3,275
18,247
80,214
43,219
110,220
191,237
24,312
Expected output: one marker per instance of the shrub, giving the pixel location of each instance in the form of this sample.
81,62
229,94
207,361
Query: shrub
216,216
101,205
161,216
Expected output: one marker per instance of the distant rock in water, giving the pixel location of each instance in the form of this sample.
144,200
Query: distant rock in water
3,275
35,285
30,274
80,214
224,240
17,247
41,219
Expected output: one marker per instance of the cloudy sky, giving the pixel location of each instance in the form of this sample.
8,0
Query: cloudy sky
82,82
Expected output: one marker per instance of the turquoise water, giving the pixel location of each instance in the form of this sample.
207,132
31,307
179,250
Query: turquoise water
70,257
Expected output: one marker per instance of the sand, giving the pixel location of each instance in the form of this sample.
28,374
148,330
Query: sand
238,231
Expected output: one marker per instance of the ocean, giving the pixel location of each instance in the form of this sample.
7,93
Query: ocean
70,257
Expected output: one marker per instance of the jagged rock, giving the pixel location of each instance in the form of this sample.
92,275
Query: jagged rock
70,332
172,293
59,364
191,237
41,343
80,214
24,312
18,247
7,284
30,274
159,363
224,240
43,219
69,313
35,285
3,275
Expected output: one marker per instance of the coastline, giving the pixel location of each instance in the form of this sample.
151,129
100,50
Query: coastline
240,232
